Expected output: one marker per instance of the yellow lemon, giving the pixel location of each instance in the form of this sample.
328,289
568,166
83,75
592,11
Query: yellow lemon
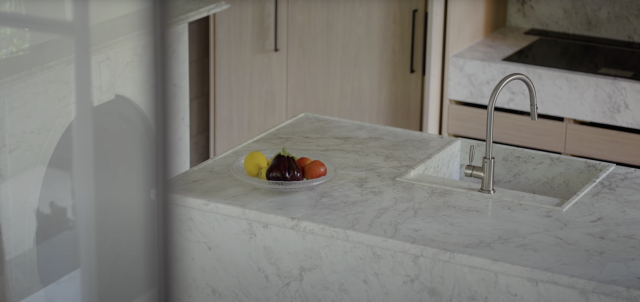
254,162
269,162
262,174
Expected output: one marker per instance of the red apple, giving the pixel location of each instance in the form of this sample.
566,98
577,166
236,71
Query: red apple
303,161
315,169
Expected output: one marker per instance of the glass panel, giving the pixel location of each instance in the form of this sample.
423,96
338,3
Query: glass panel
15,41
37,215
44,225
50,9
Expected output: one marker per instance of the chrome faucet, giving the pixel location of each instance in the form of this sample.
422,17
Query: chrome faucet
488,161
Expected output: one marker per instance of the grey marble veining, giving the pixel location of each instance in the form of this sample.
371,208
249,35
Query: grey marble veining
527,176
613,19
220,258
475,70
591,248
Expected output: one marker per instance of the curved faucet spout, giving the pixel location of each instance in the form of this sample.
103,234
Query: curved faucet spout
492,104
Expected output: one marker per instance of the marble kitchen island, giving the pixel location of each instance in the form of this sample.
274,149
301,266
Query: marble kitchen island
364,236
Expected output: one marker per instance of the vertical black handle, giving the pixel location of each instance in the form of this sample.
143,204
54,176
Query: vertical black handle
275,40
413,38
424,44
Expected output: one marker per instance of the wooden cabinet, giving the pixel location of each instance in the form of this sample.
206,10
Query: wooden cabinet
601,143
468,21
568,137
249,75
354,59
508,128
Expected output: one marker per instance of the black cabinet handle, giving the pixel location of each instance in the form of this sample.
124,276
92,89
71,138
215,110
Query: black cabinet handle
275,40
413,38
424,44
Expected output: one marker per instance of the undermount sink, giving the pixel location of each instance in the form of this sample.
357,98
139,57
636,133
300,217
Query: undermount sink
521,175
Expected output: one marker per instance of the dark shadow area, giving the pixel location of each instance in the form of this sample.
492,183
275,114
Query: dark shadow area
581,53
126,213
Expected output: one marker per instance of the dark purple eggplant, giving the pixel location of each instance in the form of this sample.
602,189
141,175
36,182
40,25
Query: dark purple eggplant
284,168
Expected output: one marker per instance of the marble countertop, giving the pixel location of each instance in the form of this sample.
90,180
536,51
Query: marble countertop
593,246
475,70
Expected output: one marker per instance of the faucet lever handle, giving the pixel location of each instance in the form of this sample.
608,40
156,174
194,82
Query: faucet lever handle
472,151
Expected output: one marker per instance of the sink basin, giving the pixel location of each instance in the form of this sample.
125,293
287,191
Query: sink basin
521,175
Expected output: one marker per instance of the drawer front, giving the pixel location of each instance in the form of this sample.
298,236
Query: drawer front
603,144
513,129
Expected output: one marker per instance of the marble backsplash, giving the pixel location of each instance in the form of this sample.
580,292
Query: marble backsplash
614,19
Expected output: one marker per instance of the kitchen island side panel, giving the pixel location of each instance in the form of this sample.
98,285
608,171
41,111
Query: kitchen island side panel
220,258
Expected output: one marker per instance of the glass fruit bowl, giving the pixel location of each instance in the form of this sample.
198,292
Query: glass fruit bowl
238,171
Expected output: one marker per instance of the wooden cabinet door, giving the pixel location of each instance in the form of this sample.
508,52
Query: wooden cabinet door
249,75
352,59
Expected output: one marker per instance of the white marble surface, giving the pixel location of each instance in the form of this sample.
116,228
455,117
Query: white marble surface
612,19
222,258
521,175
475,70
591,249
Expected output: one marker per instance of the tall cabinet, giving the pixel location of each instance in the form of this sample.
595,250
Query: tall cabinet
353,59
249,75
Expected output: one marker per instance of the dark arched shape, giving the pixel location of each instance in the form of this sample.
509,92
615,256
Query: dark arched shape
125,218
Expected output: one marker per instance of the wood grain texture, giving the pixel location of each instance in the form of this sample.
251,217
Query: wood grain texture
468,21
351,59
434,62
508,128
250,77
605,144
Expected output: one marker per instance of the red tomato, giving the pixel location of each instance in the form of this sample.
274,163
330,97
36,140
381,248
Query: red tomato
303,161
315,169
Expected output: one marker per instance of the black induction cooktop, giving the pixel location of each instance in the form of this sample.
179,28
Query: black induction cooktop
581,53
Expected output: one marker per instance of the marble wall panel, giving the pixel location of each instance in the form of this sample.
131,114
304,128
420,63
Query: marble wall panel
614,19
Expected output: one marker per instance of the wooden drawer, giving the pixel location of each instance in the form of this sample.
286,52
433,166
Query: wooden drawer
606,144
513,129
